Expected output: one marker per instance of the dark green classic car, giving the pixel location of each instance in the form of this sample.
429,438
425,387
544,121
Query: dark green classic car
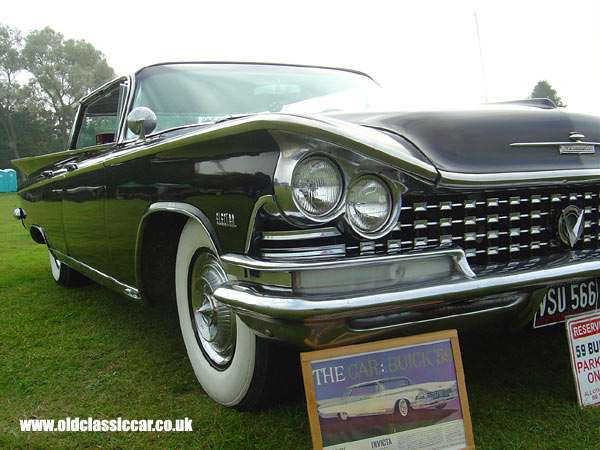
275,205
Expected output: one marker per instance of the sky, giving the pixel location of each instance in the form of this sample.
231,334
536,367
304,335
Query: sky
426,53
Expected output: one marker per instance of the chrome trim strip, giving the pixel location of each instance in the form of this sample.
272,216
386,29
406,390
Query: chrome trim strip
265,199
97,276
551,144
296,235
367,142
247,262
468,180
304,252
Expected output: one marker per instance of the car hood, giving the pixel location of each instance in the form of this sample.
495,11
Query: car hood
478,141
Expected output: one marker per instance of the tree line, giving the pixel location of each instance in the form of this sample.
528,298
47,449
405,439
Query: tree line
42,76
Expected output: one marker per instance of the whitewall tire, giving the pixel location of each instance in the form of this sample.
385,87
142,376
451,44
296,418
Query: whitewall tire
229,360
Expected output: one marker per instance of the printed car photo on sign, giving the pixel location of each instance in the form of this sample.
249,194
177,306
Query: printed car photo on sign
388,393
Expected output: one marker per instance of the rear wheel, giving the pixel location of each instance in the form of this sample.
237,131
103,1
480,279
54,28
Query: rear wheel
231,363
63,274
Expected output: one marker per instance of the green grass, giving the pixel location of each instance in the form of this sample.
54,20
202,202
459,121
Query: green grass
91,352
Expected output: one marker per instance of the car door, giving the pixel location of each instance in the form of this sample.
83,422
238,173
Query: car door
84,188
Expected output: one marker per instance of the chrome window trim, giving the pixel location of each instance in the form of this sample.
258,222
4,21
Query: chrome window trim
85,101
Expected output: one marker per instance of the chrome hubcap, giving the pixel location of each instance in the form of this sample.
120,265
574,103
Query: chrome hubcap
213,322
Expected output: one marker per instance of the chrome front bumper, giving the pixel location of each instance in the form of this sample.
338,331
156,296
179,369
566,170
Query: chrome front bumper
505,293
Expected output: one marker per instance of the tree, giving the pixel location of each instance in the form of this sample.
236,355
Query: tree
543,89
11,93
62,72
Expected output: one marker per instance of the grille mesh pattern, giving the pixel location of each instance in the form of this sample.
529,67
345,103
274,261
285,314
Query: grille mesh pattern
494,227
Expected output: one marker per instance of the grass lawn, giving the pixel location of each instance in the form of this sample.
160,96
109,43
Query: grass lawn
91,352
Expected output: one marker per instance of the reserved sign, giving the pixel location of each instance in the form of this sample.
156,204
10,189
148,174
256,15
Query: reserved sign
584,344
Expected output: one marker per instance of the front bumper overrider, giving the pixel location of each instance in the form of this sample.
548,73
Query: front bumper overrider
261,293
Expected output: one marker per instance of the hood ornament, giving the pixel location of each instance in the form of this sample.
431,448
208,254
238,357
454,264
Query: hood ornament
576,136
570,225
577,145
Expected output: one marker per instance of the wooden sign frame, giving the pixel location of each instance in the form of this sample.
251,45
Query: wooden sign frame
357,419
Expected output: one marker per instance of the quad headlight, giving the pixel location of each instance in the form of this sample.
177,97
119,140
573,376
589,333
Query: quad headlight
317,186
368,205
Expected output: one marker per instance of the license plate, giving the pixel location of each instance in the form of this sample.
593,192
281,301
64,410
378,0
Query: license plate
565,300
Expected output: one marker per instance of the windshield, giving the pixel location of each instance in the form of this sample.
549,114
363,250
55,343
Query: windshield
184,94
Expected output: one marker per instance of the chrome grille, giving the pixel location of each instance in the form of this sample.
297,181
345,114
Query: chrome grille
497,227
441,393
494,227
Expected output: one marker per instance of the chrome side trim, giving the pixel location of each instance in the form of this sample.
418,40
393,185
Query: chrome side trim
247,262
304,252
552,144
368,142
97,276
265,199
297,235
468,180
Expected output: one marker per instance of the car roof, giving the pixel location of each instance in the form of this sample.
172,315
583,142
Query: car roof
250,63
381,380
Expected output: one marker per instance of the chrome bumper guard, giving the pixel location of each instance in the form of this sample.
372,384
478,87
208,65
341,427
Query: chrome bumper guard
505,293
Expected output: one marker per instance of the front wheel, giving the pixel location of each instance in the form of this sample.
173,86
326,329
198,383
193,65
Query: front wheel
229,360
402,407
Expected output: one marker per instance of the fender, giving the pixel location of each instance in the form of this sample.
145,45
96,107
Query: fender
180,208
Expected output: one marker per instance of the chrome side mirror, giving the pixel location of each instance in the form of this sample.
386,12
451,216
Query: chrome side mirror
141,121
19,214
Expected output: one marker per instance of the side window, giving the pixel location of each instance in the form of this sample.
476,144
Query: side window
364,390
101,119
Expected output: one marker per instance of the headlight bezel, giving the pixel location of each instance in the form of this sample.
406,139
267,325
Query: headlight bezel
395,205
330,212
352,165
354,185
